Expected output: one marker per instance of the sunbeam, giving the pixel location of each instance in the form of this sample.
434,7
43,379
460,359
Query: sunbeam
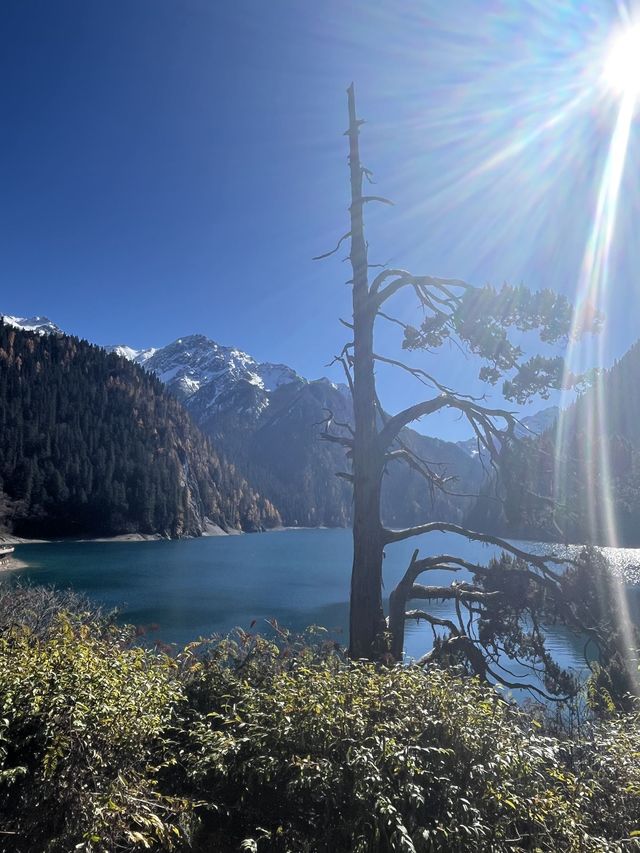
621,76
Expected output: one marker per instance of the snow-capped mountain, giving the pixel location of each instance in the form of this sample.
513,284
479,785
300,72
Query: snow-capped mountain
207,376
204,375
41,325
196,363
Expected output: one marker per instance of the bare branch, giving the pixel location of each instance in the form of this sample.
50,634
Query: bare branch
422,375
479,417
330,421
459,591
393,426
367,198
420,467
540,561
333,251
432,620
395,320
343,441
383,276
423,285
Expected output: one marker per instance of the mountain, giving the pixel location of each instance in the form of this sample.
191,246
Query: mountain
202,374
269,421
533,425
91,444
40,325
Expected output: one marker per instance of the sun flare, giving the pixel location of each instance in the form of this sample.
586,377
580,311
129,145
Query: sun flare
621,72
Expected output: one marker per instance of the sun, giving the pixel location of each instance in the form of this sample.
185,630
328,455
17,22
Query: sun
621,71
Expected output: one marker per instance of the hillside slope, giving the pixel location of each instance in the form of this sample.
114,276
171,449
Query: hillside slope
91,444
579,480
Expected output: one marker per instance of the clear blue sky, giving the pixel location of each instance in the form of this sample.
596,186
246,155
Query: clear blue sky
172,166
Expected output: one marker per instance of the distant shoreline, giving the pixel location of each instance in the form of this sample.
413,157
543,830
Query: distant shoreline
210,531
123,537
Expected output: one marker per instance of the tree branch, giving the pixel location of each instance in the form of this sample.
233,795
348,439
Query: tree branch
474,413
333,251
422,284
537,560
458,591
432,620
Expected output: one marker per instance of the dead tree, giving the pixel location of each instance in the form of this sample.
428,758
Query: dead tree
478,320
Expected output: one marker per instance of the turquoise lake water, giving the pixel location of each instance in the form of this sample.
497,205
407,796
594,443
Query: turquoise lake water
198,587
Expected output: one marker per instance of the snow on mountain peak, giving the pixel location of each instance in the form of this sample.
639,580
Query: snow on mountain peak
139,356
198,370
274,375
40,325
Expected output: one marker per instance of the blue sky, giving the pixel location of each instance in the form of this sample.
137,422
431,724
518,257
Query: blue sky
172,166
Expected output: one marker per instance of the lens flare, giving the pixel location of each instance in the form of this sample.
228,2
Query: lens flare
621,71
531,159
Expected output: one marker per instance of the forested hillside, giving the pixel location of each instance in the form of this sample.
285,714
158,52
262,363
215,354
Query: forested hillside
91,444
580,480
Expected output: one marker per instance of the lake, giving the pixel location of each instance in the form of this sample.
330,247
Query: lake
197,587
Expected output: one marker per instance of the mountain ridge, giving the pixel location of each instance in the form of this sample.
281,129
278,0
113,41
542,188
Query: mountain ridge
268,421
91,444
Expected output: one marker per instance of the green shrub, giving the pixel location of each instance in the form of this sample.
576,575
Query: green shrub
283,745
318,755
82,739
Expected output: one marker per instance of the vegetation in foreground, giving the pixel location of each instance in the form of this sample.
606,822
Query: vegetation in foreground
282,745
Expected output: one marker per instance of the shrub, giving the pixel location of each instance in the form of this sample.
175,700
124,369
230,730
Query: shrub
84,721
283,745
319,755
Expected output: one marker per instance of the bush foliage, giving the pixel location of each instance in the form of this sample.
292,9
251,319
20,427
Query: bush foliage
281,744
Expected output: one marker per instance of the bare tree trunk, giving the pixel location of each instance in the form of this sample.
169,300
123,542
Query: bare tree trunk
366,623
